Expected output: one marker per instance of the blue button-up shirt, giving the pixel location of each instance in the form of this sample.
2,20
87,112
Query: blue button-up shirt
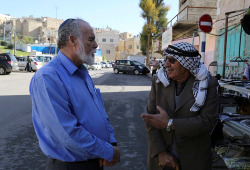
68,113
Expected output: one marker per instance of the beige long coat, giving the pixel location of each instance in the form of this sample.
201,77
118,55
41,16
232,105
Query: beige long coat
192,129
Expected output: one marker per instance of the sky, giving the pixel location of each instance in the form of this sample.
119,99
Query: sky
121,15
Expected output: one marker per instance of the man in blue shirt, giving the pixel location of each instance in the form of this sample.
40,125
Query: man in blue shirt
69,117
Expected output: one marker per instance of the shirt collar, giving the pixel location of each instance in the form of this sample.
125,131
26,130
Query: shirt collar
68,64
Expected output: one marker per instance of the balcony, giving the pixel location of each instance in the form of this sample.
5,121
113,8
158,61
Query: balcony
186,21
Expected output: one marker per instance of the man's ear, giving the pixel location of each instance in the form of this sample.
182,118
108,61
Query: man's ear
72,40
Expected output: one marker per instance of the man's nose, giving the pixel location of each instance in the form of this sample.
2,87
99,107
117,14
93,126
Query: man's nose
167,63
95,44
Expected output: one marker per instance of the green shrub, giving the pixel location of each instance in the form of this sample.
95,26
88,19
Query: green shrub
4,43
9,46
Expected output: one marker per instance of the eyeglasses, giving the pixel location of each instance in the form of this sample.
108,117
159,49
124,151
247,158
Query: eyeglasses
170,59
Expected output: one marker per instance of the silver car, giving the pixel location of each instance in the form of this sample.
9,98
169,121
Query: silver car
44,58
35,63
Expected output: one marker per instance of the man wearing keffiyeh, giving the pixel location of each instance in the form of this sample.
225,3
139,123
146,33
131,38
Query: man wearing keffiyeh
181,112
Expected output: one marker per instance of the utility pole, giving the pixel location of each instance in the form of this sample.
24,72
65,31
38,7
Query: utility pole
4,30
14,41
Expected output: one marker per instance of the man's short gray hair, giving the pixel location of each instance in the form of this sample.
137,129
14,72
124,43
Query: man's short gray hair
67,28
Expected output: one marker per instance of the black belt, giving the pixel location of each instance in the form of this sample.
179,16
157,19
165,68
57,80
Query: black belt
77,162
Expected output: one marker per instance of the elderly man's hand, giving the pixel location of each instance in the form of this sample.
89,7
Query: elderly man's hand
166,160
159,121
115,160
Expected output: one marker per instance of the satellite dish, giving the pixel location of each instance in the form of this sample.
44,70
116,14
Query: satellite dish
245,22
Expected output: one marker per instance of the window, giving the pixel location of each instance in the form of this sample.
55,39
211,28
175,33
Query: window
104,40
138,47
122,62
130,47
111,40
47,59
108,51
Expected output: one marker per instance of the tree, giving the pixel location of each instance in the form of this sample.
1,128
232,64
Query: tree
162,20
27,39
154,11
16,37
143,40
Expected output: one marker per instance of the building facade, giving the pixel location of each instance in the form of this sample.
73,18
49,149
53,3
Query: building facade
128,45
43,29
238,42
107,40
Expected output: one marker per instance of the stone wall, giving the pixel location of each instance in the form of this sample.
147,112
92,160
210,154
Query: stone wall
225,6
193,13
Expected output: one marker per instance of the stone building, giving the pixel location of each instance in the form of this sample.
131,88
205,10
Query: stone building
128,45
43,29
107,40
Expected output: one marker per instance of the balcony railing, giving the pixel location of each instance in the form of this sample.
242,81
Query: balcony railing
191,14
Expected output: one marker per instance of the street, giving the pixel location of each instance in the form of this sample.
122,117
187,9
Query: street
125,97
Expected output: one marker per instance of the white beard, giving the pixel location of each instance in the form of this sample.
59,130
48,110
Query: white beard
88,59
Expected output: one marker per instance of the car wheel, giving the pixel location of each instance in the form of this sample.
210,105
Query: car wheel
137,72
116,71
2,70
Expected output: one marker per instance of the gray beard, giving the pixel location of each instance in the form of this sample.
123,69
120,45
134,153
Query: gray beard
88,59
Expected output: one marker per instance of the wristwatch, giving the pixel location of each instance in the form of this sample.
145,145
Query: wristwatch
169,125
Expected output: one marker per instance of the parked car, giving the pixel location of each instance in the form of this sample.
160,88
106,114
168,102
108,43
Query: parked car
5,67
95,66
112,63
11,60
35,63
128,66
44,58
105,64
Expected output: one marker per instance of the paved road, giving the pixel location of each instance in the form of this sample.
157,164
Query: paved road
124,96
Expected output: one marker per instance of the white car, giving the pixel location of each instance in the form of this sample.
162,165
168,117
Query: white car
95,66
44,58
35,63
106,64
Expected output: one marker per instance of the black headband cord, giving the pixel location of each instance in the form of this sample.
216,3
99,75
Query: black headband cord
181,52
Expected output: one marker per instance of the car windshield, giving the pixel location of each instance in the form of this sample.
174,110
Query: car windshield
137,63
35,59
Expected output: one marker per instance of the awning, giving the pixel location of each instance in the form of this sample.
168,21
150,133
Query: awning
220,63
214,63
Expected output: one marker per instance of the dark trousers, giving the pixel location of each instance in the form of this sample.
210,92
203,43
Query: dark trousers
28,67
53,164
153,72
